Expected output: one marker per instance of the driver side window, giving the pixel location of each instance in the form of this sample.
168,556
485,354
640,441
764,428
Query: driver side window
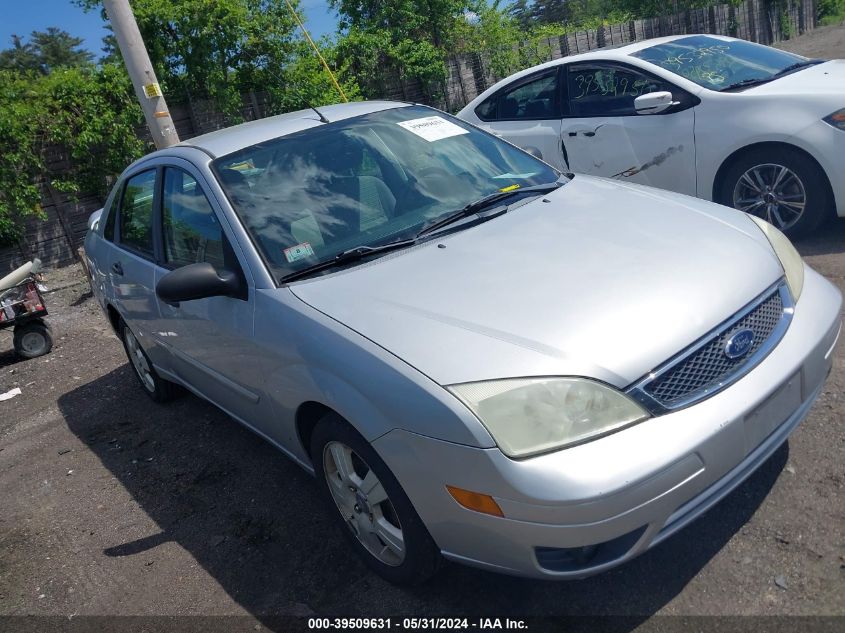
605,90
192,233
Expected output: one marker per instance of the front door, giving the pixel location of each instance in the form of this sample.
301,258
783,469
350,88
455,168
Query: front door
210,340
605,136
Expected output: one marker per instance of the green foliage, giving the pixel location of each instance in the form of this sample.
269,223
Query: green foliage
305,81
89,112
214,48
45,52
411,37
509,45
831,11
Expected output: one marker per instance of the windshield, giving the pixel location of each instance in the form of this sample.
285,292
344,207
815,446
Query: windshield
365,181
716,63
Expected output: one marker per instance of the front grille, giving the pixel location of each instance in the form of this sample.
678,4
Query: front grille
707,368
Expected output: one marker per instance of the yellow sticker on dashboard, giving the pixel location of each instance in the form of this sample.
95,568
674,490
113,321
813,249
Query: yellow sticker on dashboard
509,188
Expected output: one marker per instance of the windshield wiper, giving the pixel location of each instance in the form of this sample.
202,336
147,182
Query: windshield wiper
349,255
359,252
745,83
478,205
797,66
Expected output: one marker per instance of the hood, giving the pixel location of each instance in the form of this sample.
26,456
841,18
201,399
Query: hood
827,79
605,280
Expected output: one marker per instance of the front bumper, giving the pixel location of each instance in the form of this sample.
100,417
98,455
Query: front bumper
628,491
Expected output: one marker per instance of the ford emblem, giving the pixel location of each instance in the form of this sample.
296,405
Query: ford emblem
739,344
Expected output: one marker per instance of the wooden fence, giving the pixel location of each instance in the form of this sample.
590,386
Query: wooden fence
55,239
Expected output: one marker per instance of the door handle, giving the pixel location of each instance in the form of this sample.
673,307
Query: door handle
117,268
588,133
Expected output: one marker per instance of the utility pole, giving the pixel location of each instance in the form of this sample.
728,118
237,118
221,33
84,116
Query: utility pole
141,72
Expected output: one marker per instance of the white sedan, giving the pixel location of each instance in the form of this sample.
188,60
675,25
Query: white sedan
723,119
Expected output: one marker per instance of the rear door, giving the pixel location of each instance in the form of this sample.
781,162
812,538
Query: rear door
605,136
527,113
131,262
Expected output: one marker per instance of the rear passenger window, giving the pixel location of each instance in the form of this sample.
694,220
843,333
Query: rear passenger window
192,233
535,98
136,213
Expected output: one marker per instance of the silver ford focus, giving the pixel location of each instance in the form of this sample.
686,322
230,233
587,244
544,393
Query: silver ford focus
479,358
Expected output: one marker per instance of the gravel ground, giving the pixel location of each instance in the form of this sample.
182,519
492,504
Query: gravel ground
827,42
113,505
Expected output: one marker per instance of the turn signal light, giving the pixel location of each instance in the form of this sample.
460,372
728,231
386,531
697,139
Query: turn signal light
837,119
476,501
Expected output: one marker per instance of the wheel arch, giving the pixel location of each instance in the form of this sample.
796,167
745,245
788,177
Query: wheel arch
307,415
763,145
114,318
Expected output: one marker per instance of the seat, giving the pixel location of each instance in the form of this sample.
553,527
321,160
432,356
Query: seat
375,202
538,108
509,108
236,186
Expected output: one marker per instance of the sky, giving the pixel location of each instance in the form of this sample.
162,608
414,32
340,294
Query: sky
23,17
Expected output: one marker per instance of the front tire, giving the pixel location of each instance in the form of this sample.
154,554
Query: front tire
784,187
372,510
154,386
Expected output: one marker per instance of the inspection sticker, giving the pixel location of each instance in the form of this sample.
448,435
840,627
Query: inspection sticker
433,128
300,251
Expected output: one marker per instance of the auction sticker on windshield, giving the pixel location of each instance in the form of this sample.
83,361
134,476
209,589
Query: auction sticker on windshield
433,128
300,251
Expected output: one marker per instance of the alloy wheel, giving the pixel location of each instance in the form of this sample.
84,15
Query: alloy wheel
138,360
363,503
773,192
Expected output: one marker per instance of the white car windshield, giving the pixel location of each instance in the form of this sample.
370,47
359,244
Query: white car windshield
307,197
720,64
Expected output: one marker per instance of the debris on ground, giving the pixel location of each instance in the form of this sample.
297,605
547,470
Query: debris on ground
10,394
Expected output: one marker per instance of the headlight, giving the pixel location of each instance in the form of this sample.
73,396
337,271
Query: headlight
527,416
789,258
837,119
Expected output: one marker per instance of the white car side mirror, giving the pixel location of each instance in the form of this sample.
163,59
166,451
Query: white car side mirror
654,102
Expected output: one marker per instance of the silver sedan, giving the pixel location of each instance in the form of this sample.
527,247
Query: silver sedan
479,358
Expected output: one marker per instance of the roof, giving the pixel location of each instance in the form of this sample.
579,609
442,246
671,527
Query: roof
618,53
231,139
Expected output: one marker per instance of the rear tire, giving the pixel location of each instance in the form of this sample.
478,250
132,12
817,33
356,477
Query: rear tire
784,187
156,387
369,505
33,339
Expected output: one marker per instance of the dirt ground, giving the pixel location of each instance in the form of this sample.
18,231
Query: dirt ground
113,505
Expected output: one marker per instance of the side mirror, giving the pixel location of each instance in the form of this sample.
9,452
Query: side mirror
536,153
654,102
198,281
94,220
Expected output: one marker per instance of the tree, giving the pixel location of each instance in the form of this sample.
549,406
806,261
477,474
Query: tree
45,52
216,49
89,113
430,21
409,37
